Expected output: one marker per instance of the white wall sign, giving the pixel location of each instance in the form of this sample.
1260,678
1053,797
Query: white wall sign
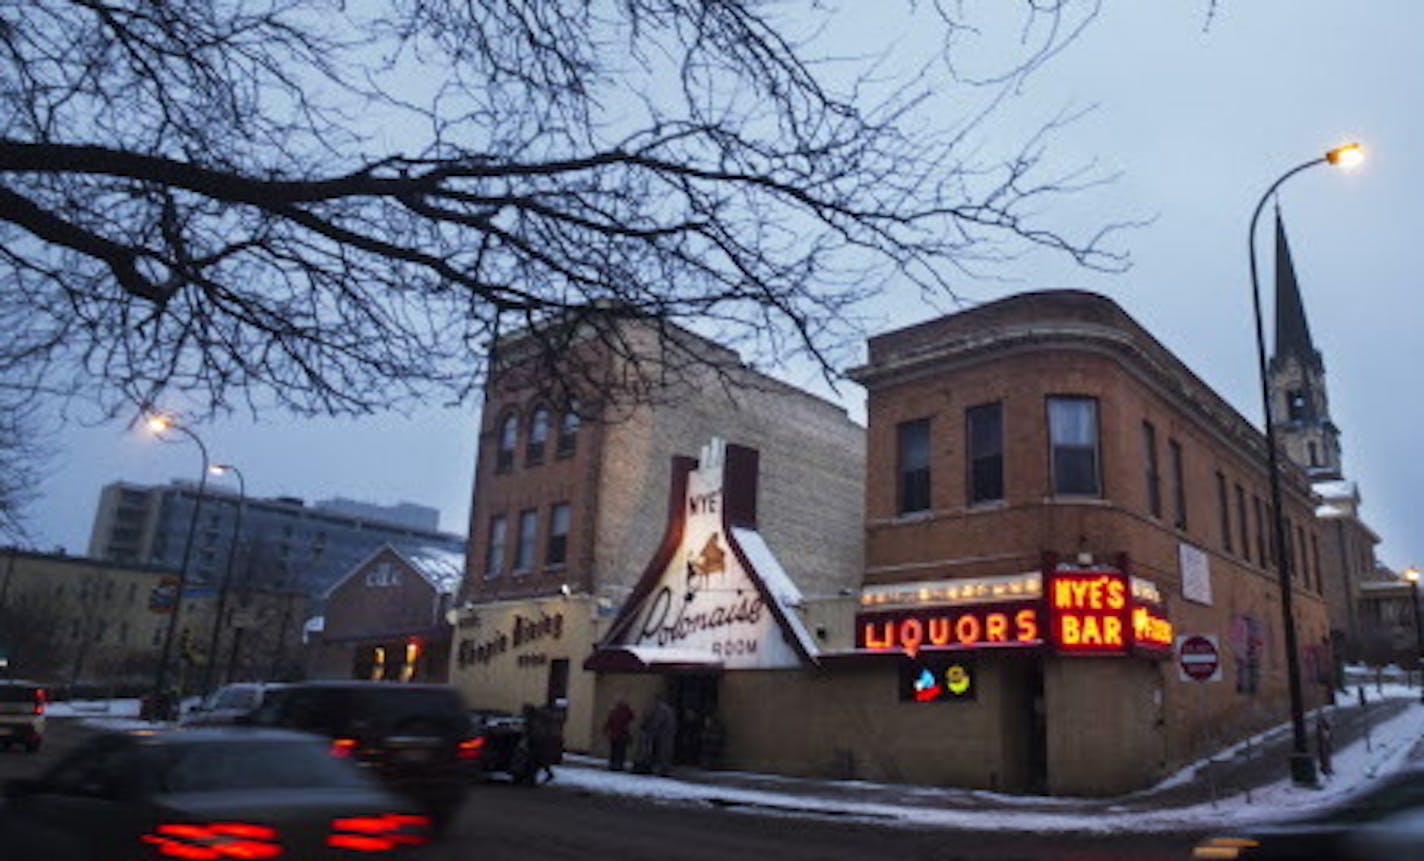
1196,574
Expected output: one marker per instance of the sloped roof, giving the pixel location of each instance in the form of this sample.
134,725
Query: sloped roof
441,568
1292,330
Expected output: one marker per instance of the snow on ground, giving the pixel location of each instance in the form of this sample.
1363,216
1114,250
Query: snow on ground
1355,767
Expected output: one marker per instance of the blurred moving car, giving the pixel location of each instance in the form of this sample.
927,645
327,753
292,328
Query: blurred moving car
1384,814
205,793
415,737
22,714
227,705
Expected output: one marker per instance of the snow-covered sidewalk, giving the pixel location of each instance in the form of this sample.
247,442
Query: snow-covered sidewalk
920,807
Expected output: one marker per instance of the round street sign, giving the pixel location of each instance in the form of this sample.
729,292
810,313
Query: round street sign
1199,658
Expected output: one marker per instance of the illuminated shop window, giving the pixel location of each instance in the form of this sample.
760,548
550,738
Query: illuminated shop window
914,466
1073,437
985,432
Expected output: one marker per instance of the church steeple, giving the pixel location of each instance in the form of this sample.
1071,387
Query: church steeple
1299,406
1292,330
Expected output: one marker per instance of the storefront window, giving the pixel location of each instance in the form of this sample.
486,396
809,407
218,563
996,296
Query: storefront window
1073,436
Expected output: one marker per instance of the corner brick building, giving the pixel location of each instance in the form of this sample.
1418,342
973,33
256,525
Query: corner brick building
1049,433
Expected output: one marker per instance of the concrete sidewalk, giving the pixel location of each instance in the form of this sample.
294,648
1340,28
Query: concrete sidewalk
1226,777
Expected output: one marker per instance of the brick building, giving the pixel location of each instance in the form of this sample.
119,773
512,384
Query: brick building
1049,433
569,502
386,619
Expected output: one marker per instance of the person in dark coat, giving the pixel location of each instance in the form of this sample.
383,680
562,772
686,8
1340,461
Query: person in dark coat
659,731
618,729
543,730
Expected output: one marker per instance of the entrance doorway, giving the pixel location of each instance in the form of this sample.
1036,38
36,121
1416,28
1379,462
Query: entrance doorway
694,700
1025,722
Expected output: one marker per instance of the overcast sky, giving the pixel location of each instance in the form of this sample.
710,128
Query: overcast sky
1197,122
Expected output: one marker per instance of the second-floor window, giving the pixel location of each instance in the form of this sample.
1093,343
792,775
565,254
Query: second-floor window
508,436
558,550
1223,503
568,432
528,530
538,436
984,428
1149,469
1073,445
1179,484
913,448
494,551
1242,522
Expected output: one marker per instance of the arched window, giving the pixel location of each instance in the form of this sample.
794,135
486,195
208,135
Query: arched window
568,432
508,433
538,436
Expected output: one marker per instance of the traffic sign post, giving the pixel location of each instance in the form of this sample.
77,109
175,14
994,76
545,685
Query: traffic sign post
1199,658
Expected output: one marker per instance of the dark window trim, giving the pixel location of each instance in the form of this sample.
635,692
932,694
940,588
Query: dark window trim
1223,503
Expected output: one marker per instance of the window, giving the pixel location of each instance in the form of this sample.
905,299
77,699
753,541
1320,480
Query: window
1290,560
914,456
1314,456
528,529
1073,437
1296,405
1261,556
1242,522
538,436
558,550
1149,469
985,432
494,551
1221,504
1179,485
1301,553
508,435
568,432
1315,558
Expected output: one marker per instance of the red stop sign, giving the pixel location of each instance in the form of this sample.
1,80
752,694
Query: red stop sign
1198,658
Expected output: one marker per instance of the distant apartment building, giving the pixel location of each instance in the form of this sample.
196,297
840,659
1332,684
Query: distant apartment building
68,620
285,543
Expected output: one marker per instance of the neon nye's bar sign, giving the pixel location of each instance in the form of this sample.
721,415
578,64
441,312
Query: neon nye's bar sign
1083,612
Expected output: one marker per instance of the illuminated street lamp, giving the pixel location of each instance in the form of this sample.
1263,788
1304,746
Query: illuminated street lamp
1412,575
224,469
160,424
1302,766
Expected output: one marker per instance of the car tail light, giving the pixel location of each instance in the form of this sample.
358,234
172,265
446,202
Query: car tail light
343,747
470,748
39,701
214,840
380,833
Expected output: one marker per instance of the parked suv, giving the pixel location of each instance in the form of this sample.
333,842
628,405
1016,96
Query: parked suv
415,738
22,708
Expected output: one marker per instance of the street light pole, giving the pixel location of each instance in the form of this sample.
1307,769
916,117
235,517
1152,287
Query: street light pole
1412,575
211,667
1302,765
160,424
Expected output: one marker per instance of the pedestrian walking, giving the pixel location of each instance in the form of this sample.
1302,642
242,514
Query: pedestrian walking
656,735
1324,743
618,729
